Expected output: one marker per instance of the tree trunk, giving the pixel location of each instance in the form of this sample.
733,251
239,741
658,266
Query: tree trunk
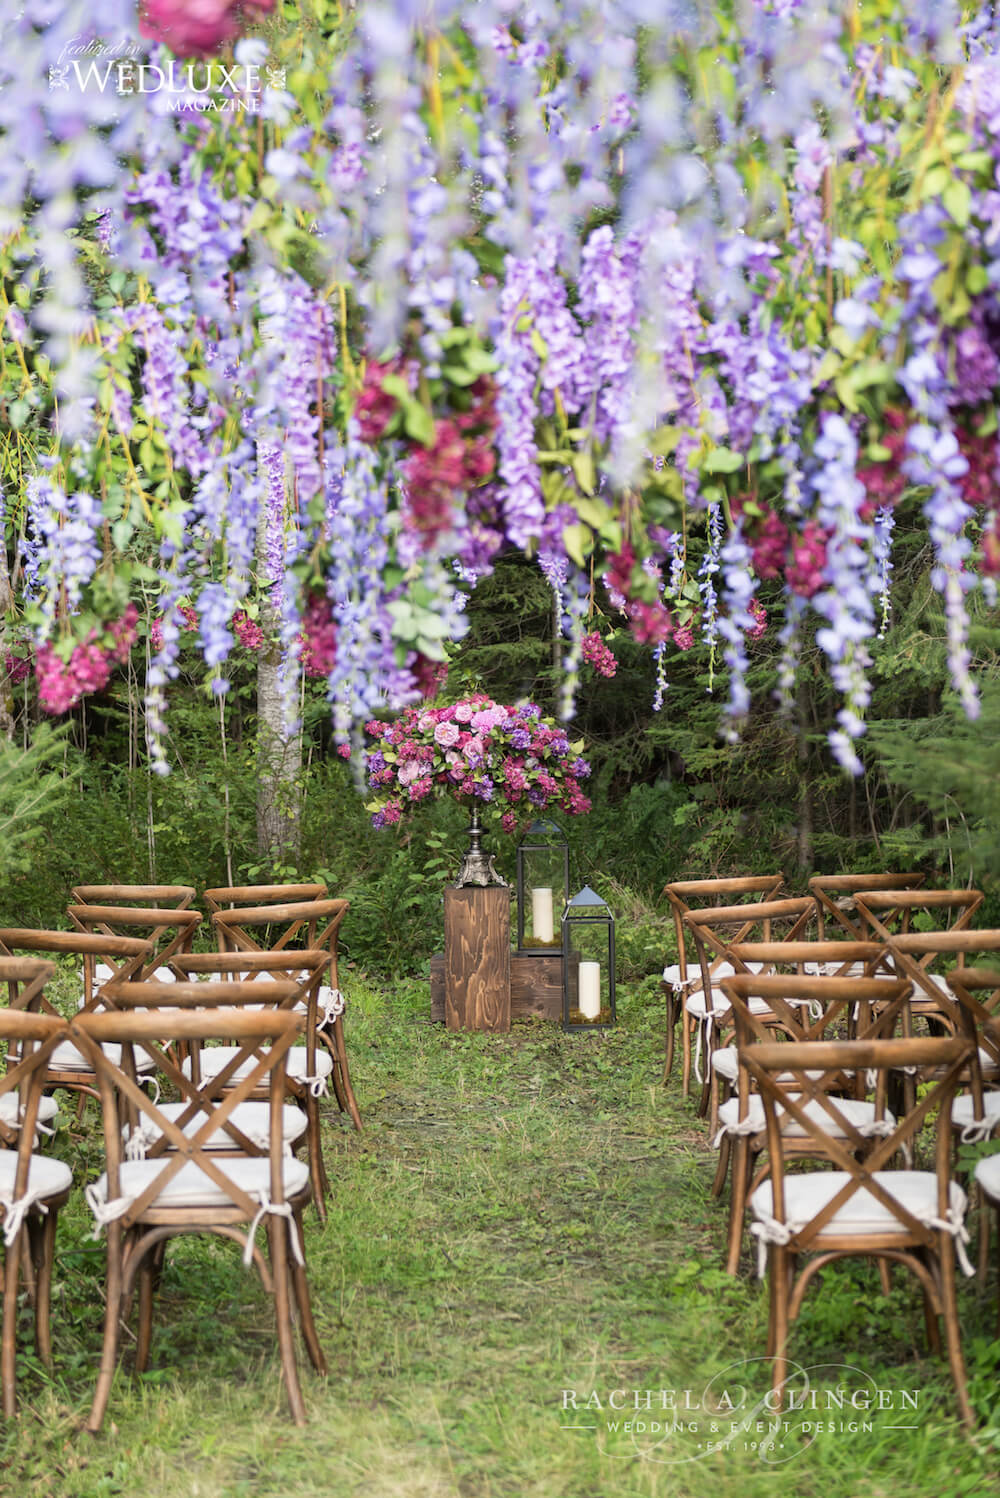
6,685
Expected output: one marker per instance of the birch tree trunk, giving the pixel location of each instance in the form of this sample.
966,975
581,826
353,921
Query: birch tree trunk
6,686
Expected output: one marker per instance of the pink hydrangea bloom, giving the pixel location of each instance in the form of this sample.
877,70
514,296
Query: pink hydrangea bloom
197,28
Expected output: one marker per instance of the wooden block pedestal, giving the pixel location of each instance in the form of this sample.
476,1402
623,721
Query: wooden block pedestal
477,958
535,987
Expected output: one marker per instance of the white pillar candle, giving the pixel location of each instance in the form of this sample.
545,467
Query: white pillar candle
542,928
590,989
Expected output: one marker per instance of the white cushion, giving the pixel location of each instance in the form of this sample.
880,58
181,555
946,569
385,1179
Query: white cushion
66,1057
806,1195
46,1177
695,1004
833,969
10,1110
191,1187
212,1059
252,1119
726,1061
857,1112
988,1175
963,1110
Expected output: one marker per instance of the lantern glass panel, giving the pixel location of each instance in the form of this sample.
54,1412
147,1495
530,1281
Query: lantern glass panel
589,951
542,887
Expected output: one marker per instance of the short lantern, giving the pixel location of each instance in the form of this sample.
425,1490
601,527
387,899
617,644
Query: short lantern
588,931
542,887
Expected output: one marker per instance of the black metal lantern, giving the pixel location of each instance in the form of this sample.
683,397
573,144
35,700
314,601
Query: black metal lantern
588,933
542,888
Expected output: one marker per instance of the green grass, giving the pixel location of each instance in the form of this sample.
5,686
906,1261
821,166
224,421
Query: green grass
523,1215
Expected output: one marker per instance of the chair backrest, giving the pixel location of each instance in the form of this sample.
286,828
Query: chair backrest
888,912
154,1032
170,896
686,895
31,1038
235,896
24,979
169,929
835,895
768,1061
715,931
978,993
912,953
820,958
308,924
809,1010
125,955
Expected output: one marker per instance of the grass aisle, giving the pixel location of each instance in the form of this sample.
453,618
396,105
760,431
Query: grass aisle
523,1216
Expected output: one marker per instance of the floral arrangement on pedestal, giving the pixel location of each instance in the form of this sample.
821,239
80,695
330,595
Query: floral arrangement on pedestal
508,759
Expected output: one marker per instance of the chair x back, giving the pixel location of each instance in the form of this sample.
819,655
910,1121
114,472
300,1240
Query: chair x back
909,1217
32,1186
285,927
805,1009
835,896
191,1187
679,983
169,929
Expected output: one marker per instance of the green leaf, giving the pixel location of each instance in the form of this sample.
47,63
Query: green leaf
957,200
722,460
539,345
18,413
583,468
578,541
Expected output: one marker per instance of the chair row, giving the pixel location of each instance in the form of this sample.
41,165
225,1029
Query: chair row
217,1158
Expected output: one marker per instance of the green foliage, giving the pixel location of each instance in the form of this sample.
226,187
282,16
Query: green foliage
35,783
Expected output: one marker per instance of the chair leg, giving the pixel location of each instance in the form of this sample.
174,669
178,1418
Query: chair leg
722,1169
144,1338
668,1060
42,1234
952,1333
317,1170
278,1239
778,1270
686,1060
112,1313
737,1203
339,1049
300,1285
8,1350
885,1278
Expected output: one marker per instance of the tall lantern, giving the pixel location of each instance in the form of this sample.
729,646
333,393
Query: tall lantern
542,887
588,932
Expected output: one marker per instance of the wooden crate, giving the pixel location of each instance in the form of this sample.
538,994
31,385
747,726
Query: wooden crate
535,987
477,958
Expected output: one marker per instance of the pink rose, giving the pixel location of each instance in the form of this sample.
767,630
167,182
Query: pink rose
197,28
446,734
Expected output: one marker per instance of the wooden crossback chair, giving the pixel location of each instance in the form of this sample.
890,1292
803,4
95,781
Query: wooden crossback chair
715,932
123,956
981,1026
976,1114
804,1009
184,1185
307,1067
835,896
33,1187
237,896
170,929
284,927
682,982
859,1207
169,896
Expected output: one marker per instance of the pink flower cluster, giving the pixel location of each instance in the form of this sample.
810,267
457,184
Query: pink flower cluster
197,28
61,684
758,613
17,666
247,630
508,757
187,621
319,637
600,656
650,623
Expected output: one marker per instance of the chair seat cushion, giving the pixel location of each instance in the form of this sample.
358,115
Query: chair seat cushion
726,1061
65,1057
963,1110
988,1176
858,1112
806,1195
695,1004
212,1059
10,1109
46,1178
252,1119
191,1187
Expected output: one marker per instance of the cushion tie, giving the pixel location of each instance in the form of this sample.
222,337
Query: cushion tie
16,1212
104,1211
331,1005
275,1210
318,1085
